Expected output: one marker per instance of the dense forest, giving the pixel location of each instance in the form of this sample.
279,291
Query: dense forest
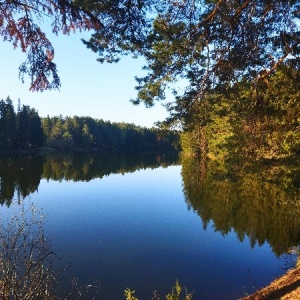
231,123
25,130
241,122
239,61
21,129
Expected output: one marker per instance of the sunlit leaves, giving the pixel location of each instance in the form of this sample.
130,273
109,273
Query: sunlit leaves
260,122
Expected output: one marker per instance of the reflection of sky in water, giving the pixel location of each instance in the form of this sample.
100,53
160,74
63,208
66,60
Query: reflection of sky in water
135,231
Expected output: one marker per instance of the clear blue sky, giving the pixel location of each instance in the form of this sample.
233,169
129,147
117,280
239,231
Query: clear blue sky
88,88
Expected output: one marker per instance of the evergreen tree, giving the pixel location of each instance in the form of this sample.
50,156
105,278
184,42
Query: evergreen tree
36,130
7,125
24,127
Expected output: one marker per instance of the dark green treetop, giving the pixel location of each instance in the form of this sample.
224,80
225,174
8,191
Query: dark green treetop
214,44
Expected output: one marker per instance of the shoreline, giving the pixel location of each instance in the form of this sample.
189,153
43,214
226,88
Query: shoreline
286,287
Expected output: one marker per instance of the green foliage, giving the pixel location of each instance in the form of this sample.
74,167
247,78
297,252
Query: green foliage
30,133
175,294
124,26
241,122
87,133
8,124
210,47
21,129
129,294
205,42
213,44
25,130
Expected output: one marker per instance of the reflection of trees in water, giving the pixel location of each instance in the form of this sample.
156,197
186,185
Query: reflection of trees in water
22,175
85,167
261,202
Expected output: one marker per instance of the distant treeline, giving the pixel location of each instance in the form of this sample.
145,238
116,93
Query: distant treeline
24,129
21,129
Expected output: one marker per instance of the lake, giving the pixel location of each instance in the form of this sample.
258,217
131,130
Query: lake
143,221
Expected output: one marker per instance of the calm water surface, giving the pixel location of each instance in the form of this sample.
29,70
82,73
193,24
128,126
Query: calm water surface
139,230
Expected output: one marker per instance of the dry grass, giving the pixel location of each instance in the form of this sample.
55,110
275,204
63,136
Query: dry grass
287,287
